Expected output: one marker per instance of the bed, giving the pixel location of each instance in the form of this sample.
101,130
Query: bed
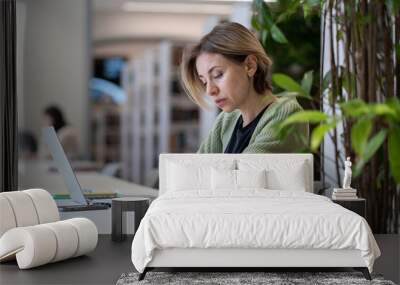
246,211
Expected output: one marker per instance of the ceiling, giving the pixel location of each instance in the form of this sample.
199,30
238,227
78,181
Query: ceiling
208,7
147,20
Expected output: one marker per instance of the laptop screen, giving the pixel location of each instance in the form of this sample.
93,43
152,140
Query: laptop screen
63,165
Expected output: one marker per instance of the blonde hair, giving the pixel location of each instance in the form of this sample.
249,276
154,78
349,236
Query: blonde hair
233,41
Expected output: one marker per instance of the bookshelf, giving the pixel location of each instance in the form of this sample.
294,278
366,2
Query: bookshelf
158,116
105,140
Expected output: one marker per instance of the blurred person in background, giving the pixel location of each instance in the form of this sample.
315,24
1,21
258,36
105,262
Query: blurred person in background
53,116
27,145
230,66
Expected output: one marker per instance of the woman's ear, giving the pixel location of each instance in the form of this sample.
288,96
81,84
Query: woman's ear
251,65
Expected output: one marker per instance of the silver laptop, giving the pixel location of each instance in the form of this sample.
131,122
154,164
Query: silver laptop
78,202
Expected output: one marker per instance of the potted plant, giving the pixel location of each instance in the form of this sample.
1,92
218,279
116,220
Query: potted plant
356,105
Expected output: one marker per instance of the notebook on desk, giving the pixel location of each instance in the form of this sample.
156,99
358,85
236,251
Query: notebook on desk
77,201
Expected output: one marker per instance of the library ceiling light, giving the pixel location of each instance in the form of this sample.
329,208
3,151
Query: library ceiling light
177,8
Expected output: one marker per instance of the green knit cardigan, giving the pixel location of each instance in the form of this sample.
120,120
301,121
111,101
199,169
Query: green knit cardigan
265,138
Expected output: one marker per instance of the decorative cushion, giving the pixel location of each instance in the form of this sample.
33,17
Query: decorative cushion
32,246
31,232
7,220
40,244
45,206
23,208
67,237
87,233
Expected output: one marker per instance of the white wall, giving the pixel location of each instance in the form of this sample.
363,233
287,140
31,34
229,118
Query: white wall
56,62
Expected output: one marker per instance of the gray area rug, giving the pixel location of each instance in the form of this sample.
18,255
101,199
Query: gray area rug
228,278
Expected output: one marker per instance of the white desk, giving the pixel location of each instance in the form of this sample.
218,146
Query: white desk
36,174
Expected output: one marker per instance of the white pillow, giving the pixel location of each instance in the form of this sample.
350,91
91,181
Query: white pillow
281,175
225,179
187,178
293,180
251,178
193,174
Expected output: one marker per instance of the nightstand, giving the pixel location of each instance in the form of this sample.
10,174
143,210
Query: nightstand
358,206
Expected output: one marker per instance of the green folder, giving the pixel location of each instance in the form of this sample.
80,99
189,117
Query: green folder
96,195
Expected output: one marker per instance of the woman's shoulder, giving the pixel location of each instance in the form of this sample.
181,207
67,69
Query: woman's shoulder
284,107
288,104
67,129
67,132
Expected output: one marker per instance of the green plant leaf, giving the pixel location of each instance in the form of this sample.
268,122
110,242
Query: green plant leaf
277,35
309,6
315,3
393,6
394,153
396,7
264,37
287,94
306,82
359,167
382,109
254,23
306,10
354,108
305,117
370,150
339,35
288,84
359,135
290,10
374,144
394,103
267,20
318,134
349,84
327,80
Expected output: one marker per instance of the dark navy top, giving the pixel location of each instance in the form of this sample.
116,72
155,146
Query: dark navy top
241,135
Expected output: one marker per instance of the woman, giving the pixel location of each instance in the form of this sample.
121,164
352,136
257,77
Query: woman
53,116
230,66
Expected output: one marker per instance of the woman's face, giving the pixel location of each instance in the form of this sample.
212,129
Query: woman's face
225,81
47,120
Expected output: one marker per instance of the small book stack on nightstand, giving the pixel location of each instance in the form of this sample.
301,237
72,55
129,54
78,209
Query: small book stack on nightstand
347,198
344,194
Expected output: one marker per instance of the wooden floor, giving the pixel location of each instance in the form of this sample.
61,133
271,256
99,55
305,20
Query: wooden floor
111,259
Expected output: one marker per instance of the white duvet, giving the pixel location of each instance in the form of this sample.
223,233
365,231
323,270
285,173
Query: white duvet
253,218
